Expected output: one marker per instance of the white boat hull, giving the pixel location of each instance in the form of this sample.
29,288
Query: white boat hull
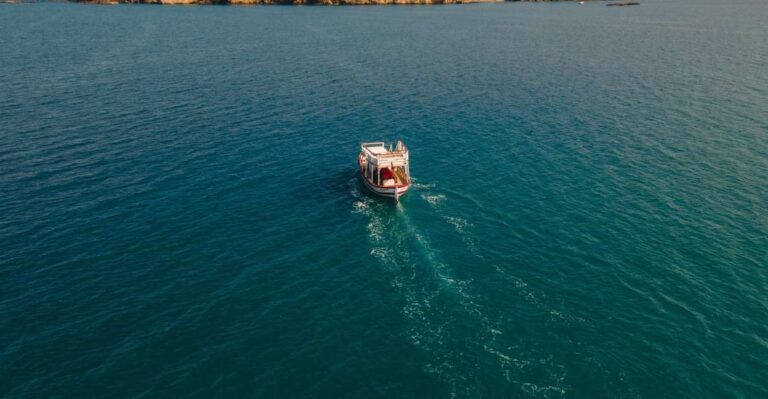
389,192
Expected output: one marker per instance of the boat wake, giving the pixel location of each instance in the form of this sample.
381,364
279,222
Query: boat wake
442,309
429,291
513,362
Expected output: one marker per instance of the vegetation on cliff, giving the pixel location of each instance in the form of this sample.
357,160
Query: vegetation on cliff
288,2
302,2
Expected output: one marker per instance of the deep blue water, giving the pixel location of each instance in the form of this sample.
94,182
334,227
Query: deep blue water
180,214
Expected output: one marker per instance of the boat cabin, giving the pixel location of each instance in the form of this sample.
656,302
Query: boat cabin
385,167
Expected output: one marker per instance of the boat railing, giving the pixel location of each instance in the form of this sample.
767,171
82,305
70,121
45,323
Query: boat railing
401,175
388,154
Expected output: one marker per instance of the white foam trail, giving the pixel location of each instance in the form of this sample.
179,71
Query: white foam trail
537,298
421,186
509,365
433,200
487,333
545,391
360,207
459,224
463,229
440,268
431,326
511,362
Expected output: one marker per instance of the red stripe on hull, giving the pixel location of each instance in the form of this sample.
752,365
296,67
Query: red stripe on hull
386,191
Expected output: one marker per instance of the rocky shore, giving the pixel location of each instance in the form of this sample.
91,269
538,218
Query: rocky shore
289,2
298,2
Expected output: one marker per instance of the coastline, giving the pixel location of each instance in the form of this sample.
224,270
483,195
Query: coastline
301,2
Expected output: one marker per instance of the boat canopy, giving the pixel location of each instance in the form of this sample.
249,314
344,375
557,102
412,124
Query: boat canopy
379,155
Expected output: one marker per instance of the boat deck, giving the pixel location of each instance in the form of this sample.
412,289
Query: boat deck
380,151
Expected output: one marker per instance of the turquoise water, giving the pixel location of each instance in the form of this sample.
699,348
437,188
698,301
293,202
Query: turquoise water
180,214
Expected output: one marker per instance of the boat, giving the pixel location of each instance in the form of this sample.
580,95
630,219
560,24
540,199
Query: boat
385,171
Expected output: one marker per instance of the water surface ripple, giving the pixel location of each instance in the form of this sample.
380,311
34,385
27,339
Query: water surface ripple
180,215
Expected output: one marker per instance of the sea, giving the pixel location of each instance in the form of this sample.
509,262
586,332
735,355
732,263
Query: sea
181,214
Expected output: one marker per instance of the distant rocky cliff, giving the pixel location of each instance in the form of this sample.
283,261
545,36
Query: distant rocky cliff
297,2
310,2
